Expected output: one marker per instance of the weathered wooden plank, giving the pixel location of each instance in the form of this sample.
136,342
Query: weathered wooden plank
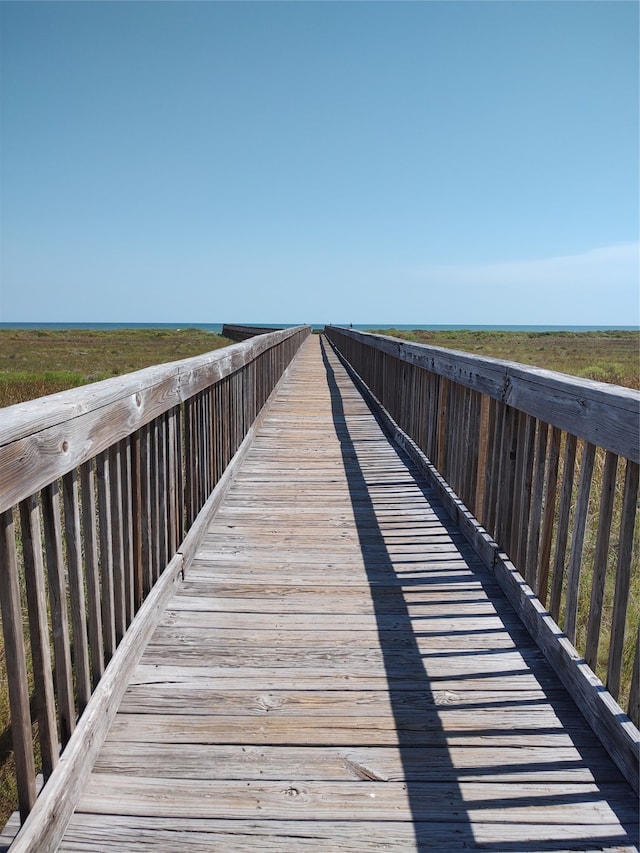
506,706
466,629
587,803
318,636
416,730
279,678
110,833
386,764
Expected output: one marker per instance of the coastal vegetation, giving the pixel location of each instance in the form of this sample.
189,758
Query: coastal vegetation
36,362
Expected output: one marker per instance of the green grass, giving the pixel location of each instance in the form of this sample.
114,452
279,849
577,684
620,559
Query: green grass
34,363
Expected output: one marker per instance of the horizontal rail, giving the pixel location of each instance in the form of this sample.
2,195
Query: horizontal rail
242,333
98,487
547,463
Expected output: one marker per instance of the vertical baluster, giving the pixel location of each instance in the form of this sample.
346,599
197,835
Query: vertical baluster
577,541
562,527
522,531
137,520
548,519
117,543
106,555
634,693
216,432
38,632
432,397
180,472
58,605
623,578
492,445
190,460
455,462
423,410
15,661
154,502
92,577
172,497
601,559
163,482
76,588
473,429
537,497
226,405
517,510
494,485
211,437
482,456
441,424
126,479
506,478
200,411
146,504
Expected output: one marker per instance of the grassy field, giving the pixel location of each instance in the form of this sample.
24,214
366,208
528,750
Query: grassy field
610,356
35,362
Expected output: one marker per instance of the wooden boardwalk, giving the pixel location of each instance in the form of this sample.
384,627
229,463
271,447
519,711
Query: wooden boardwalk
339,672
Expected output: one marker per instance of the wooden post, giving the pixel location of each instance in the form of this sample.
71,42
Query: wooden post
16,666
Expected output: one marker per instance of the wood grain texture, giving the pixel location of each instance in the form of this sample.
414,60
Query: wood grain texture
338,671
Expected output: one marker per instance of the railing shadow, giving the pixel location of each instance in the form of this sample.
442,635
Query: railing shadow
418,696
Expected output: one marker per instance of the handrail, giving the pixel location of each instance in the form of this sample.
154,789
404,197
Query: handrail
519,446
237,332
99,485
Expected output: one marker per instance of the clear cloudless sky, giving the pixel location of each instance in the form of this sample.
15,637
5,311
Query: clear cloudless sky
366,162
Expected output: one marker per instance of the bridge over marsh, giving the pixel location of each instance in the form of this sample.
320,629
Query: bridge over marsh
304,594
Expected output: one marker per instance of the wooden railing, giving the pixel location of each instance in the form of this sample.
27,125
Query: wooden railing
98,488
547,463
236,332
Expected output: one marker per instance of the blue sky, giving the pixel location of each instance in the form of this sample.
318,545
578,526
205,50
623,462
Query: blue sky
383,162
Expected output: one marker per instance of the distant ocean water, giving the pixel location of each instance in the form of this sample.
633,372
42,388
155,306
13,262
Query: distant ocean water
217,327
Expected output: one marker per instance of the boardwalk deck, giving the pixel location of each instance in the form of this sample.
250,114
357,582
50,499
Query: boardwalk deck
339,672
